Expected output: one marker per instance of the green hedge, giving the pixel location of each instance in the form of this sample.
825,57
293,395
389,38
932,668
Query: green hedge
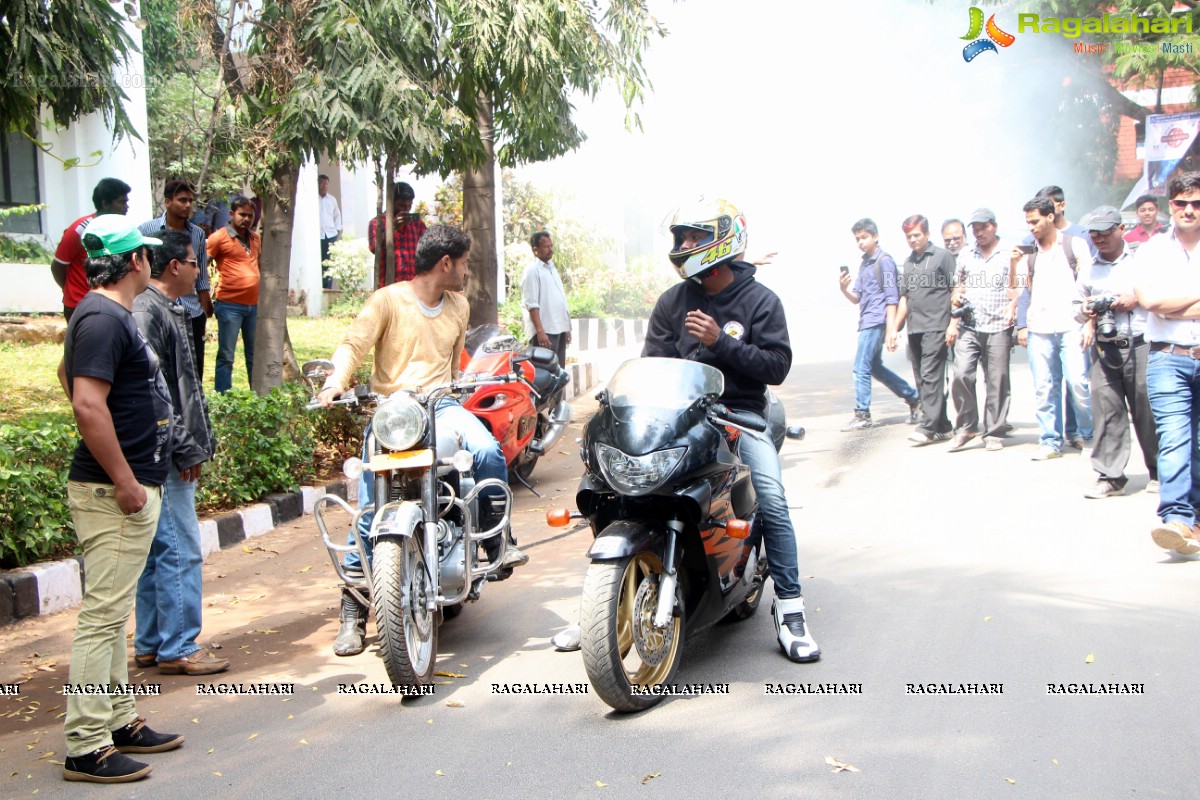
264,444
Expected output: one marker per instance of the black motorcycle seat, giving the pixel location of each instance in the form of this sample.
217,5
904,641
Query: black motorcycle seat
543,357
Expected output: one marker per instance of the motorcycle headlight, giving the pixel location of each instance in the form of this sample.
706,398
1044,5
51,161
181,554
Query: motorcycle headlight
637,475
399,422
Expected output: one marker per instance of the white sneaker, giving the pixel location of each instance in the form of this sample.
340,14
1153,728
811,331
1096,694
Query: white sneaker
792,632
567,640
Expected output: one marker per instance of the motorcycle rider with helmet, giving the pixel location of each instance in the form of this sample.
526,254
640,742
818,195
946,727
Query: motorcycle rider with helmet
721,316
416,329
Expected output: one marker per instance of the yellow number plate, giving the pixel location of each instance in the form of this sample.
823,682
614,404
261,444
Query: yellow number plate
409,459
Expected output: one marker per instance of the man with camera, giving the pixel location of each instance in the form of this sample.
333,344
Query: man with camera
1115,326
1167,287
985,310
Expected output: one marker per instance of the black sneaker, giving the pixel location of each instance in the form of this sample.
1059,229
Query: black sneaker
138,737
105,765
914,411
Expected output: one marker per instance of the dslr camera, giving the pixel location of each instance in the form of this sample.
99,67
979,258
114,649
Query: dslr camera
1101,306
965,314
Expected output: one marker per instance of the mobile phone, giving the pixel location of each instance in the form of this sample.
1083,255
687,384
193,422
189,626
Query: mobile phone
1027,249
844,269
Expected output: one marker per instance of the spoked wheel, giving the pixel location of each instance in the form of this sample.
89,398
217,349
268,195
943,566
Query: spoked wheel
621,646
407,630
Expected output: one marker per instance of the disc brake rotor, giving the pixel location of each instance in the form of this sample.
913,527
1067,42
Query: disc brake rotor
652,643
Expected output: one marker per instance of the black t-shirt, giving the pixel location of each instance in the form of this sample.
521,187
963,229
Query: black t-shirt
104,343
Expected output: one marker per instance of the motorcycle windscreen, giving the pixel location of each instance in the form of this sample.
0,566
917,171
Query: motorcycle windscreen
667,384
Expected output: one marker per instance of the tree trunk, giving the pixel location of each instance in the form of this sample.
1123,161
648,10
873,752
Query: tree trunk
389,219
279,203
479,220
380,230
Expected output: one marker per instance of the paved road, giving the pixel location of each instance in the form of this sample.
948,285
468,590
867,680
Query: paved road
920,567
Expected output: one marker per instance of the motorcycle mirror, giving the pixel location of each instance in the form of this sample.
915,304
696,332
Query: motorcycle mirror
738,528
794,432
558,517
318,369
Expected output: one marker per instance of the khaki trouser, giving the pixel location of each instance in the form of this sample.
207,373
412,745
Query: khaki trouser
114,553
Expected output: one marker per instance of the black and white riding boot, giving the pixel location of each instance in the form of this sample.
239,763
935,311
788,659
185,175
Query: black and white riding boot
349,641
792,630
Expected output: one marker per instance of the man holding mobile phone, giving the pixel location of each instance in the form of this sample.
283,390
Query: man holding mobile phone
407,229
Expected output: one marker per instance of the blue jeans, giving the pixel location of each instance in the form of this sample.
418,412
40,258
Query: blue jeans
868,363
778,534
1053,358
1173,384
169,593
232,319
489,463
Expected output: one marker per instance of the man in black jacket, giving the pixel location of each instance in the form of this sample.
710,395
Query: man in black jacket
169,593
721,316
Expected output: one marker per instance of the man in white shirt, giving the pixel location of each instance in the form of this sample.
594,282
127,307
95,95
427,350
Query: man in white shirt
1118,371
1169,289
1052,333
543,296
331,226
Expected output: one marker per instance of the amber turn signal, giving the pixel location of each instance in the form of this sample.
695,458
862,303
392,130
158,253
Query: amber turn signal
738,528
558,517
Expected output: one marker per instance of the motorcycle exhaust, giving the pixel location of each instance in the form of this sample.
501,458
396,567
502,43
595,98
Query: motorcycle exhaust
559,419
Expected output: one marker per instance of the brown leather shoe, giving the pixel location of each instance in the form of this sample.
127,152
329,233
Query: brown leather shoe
145,660
201,662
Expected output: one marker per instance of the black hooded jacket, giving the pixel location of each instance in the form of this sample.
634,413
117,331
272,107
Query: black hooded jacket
752,350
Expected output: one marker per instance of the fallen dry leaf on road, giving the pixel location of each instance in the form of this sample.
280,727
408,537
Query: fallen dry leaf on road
218,774
251,736
211,750
1054,761
1011,780
305,569
304,741
246,549
600,784
439,772
196,720
1090,658
454,703
987,619
45,755
441,674
651,777
839,766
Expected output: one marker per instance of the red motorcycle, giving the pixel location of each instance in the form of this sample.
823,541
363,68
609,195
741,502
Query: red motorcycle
526,417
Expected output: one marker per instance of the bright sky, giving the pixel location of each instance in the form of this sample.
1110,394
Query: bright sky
807,116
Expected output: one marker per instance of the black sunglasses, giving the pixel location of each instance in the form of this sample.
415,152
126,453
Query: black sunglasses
1182,204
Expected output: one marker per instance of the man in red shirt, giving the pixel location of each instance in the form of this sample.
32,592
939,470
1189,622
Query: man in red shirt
111,196
406,232
1148,224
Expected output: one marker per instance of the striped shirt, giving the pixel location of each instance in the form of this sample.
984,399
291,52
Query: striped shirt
190,302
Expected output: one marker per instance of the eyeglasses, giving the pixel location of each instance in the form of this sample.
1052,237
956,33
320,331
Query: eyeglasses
191,261
1182,204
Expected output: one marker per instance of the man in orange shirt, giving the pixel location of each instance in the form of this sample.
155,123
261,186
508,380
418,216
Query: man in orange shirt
235,250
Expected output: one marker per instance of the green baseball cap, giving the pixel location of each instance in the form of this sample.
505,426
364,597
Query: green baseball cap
113,234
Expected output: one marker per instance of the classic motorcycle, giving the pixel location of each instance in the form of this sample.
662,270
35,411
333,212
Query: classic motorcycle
527,417
426,526
673,511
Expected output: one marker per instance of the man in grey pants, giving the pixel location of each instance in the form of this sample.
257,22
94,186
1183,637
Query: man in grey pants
985,335
1119,356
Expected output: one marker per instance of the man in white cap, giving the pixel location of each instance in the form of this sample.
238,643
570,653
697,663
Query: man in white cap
123,410
1115,325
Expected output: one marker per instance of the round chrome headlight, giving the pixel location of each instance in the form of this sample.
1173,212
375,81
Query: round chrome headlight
399,422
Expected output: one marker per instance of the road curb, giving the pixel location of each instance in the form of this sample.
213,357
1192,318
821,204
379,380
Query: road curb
48,587
52,586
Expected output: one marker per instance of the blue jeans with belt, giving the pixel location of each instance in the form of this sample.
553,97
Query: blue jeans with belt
1173,383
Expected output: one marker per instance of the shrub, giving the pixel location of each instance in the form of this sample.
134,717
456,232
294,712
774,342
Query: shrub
349,264
35,455
264,444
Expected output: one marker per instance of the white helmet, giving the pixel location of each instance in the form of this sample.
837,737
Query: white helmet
725,239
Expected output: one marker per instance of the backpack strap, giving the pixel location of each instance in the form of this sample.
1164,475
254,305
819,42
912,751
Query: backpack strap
1067,244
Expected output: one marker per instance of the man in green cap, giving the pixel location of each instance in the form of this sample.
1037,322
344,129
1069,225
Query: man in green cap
123,410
